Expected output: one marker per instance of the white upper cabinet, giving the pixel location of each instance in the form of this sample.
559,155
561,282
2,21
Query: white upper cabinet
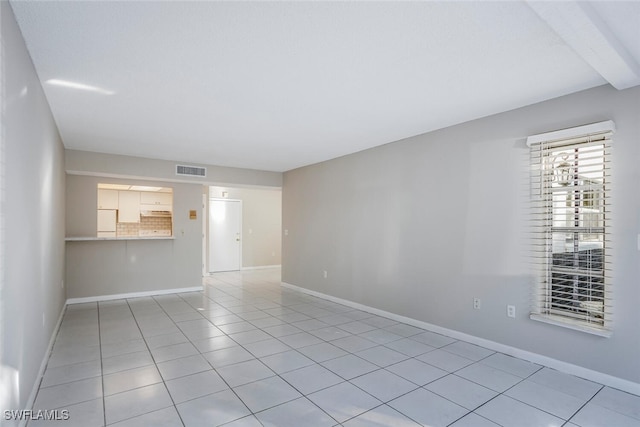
107,199
128,206
152,201
154,198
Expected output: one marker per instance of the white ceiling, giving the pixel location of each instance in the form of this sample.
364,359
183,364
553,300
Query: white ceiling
279,85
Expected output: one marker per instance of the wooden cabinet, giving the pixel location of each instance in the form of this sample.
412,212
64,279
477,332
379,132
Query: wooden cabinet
107,199
128,206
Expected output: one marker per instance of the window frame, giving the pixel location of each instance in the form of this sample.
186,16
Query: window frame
544,218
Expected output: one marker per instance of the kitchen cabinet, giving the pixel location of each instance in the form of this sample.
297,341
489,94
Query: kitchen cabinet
106,223
162,201
129,206
107,199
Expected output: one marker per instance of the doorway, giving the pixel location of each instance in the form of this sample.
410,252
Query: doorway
225,236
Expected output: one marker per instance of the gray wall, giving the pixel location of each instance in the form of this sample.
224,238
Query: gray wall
85,162
101,268
422,226
32,297
98,268
261,224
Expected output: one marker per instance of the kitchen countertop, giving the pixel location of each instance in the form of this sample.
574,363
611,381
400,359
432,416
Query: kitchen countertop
92,239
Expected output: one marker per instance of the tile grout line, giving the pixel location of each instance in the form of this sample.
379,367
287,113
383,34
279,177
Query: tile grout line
302,395
276,374
213,368
423,386
585,404
233,295
379,368
154,363
104,403
351,334
502,393
520,381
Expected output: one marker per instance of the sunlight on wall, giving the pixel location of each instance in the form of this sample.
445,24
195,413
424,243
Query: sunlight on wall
9,388
9,377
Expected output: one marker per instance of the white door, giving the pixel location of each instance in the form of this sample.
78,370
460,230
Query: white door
224,235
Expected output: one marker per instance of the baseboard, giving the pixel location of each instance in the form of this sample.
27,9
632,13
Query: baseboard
133,295
43,365
579,371
261,267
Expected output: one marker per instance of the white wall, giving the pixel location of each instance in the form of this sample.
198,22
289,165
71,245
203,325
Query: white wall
422,226
261,223
33,209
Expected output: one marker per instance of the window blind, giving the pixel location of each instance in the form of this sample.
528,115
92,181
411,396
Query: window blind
571,225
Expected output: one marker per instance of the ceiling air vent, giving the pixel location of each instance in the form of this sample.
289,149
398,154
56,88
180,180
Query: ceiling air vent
190,171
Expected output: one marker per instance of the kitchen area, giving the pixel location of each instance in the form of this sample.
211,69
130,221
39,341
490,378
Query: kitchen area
134,211
127,236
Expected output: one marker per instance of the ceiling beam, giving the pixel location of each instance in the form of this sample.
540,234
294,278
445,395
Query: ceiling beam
587,34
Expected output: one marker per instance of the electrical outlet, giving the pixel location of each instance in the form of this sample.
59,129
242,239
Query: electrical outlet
476,303
286,232
324,274
511,311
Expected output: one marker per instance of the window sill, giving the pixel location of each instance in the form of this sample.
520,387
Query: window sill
565,323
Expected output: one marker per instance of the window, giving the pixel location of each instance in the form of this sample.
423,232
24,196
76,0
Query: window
571,220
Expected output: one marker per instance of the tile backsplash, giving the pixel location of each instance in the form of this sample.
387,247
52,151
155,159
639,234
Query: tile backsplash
132,229
127,229
155,223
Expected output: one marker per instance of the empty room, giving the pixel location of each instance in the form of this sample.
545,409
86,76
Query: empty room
283,213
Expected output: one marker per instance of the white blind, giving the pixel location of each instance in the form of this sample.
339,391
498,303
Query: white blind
571,223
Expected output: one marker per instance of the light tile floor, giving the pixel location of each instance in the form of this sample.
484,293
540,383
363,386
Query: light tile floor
247,352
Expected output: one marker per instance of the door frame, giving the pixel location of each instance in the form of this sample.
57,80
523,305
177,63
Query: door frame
208,267
205,233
